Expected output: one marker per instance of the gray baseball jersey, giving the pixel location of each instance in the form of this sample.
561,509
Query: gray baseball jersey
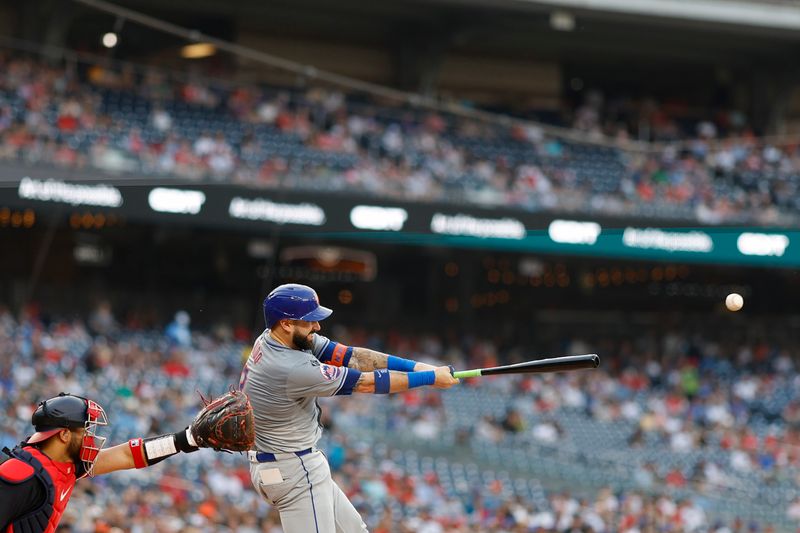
283,383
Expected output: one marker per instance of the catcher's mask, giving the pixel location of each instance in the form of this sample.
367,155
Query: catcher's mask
71,412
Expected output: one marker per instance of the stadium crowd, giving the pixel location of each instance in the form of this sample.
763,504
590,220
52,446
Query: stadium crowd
695,402
117,119
688,393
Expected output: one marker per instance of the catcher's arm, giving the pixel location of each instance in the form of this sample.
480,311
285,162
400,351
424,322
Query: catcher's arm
141,453
225,423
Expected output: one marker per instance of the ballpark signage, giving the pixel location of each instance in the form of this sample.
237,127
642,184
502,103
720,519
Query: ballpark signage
466,225
573,232
96,195
177,201
279,213
338,216
668,241
762,244
378,218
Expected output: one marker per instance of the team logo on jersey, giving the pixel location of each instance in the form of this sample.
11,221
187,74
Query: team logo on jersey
330,372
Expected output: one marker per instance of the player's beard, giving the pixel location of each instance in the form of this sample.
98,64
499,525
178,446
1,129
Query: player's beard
74,448
303,342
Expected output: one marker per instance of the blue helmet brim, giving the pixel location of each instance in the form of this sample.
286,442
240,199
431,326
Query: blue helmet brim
320,313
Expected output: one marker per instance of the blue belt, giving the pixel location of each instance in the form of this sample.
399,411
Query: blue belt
266,457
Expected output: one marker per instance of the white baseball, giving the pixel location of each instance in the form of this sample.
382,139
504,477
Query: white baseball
734,302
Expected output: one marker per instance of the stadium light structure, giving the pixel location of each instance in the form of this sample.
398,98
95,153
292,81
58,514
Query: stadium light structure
562,20
110,39
198,51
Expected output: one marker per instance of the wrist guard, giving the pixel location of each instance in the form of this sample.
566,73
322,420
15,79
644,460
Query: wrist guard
400,364
147,452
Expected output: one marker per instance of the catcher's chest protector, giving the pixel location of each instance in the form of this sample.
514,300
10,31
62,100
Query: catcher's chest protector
58,480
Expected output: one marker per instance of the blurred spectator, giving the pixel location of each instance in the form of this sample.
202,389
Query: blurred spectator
102,321
547,431
513,422
160,119
178,330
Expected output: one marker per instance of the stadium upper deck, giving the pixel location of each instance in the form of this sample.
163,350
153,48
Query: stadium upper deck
116,119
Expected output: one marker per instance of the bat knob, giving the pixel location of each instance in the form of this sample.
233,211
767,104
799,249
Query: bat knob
452,369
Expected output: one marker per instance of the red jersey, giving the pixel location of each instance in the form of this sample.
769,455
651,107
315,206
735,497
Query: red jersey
29,469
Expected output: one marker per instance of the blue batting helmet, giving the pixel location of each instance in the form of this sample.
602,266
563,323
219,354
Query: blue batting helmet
295,302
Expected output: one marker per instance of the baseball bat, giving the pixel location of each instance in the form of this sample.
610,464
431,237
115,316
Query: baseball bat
538,366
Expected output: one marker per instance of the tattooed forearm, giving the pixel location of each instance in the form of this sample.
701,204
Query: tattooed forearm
366,360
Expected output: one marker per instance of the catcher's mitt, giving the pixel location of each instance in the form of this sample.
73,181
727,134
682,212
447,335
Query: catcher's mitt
225,423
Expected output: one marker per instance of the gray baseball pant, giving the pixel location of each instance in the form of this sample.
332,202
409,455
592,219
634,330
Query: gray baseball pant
307,498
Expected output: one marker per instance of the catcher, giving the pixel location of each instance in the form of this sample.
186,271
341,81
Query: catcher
36,480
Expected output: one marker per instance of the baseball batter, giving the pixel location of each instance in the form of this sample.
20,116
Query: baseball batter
289,367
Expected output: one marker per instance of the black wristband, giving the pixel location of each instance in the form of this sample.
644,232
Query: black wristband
182,442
